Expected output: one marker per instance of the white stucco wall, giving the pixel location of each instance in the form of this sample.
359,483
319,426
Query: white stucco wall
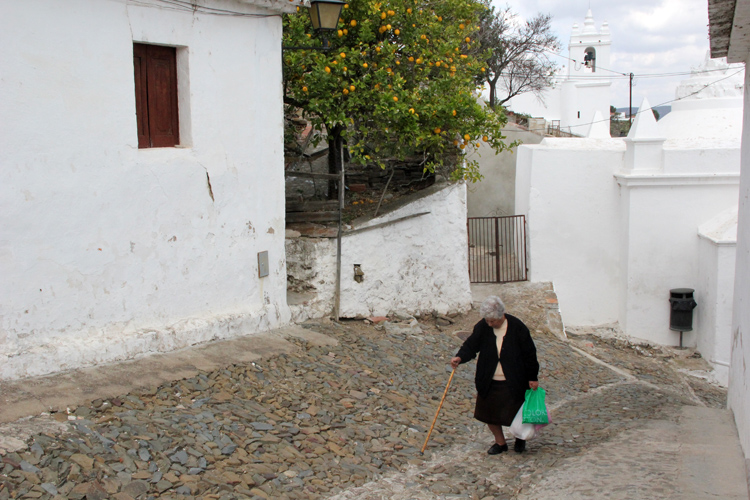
566,189
739,372
615,240
108,251
716,258
581,100
721,121
415,266
495,194
663,248
572,102
549,106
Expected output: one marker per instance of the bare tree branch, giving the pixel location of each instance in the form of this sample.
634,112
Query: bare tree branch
518,61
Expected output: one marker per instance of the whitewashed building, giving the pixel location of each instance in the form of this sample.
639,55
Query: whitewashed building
579,90
142,176
616,224
728,28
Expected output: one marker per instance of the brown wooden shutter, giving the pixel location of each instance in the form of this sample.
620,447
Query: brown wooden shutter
156,95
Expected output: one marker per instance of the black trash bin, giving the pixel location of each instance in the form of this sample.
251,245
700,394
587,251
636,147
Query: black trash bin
682,305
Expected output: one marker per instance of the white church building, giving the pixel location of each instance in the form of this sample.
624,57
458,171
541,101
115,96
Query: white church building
580,90
618,223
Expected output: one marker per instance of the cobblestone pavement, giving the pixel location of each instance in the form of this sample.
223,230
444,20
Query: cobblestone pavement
347,421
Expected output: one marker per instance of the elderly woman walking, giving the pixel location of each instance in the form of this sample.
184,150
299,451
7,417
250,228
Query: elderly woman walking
506,368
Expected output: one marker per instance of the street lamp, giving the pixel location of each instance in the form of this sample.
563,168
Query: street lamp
324,16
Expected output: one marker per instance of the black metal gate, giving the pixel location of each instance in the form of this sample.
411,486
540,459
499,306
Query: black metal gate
497,249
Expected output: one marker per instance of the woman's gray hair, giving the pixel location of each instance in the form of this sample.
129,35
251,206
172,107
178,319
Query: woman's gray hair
492,308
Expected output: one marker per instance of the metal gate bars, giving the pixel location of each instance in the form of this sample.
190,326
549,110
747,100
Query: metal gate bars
497,249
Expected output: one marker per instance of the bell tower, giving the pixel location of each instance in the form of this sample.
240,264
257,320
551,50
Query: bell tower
589,48
587,89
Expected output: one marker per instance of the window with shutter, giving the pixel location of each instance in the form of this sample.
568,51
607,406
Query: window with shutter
155,69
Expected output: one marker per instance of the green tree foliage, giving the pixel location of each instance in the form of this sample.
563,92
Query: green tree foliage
399,80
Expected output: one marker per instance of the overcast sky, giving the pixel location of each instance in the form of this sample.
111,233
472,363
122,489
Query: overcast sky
648,36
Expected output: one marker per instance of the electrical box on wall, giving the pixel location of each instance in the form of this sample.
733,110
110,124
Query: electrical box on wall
262,264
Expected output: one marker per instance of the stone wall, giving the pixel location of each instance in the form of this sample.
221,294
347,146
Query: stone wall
416,265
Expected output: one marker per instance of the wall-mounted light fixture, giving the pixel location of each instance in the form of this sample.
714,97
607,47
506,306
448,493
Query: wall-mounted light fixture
324,16
359,275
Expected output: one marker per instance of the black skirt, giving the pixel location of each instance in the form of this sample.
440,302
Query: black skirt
498,407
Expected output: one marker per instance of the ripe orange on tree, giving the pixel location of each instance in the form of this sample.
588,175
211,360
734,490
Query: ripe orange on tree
346,99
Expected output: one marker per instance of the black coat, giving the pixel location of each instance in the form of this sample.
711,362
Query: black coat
517,357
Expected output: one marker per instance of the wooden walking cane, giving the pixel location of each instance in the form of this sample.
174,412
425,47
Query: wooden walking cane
437,412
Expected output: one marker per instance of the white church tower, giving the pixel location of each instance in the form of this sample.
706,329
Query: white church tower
581,93
586,90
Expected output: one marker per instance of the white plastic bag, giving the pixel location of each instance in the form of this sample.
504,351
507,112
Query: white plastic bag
521,430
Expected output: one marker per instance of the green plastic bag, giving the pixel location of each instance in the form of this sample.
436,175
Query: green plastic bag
534,408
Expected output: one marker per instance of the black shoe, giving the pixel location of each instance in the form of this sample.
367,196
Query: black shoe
519,446
496,449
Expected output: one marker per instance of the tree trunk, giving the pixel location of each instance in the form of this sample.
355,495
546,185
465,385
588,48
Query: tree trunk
492,82
335,145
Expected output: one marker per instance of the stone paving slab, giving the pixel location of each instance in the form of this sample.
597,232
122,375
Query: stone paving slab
56,392
709,445
660,459
638,464
341,410
540,313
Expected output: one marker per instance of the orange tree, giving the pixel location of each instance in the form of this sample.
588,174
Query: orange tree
399,79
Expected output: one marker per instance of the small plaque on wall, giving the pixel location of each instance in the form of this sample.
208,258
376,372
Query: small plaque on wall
262,264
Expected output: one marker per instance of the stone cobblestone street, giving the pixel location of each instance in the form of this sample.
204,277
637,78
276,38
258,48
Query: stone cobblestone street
345,415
